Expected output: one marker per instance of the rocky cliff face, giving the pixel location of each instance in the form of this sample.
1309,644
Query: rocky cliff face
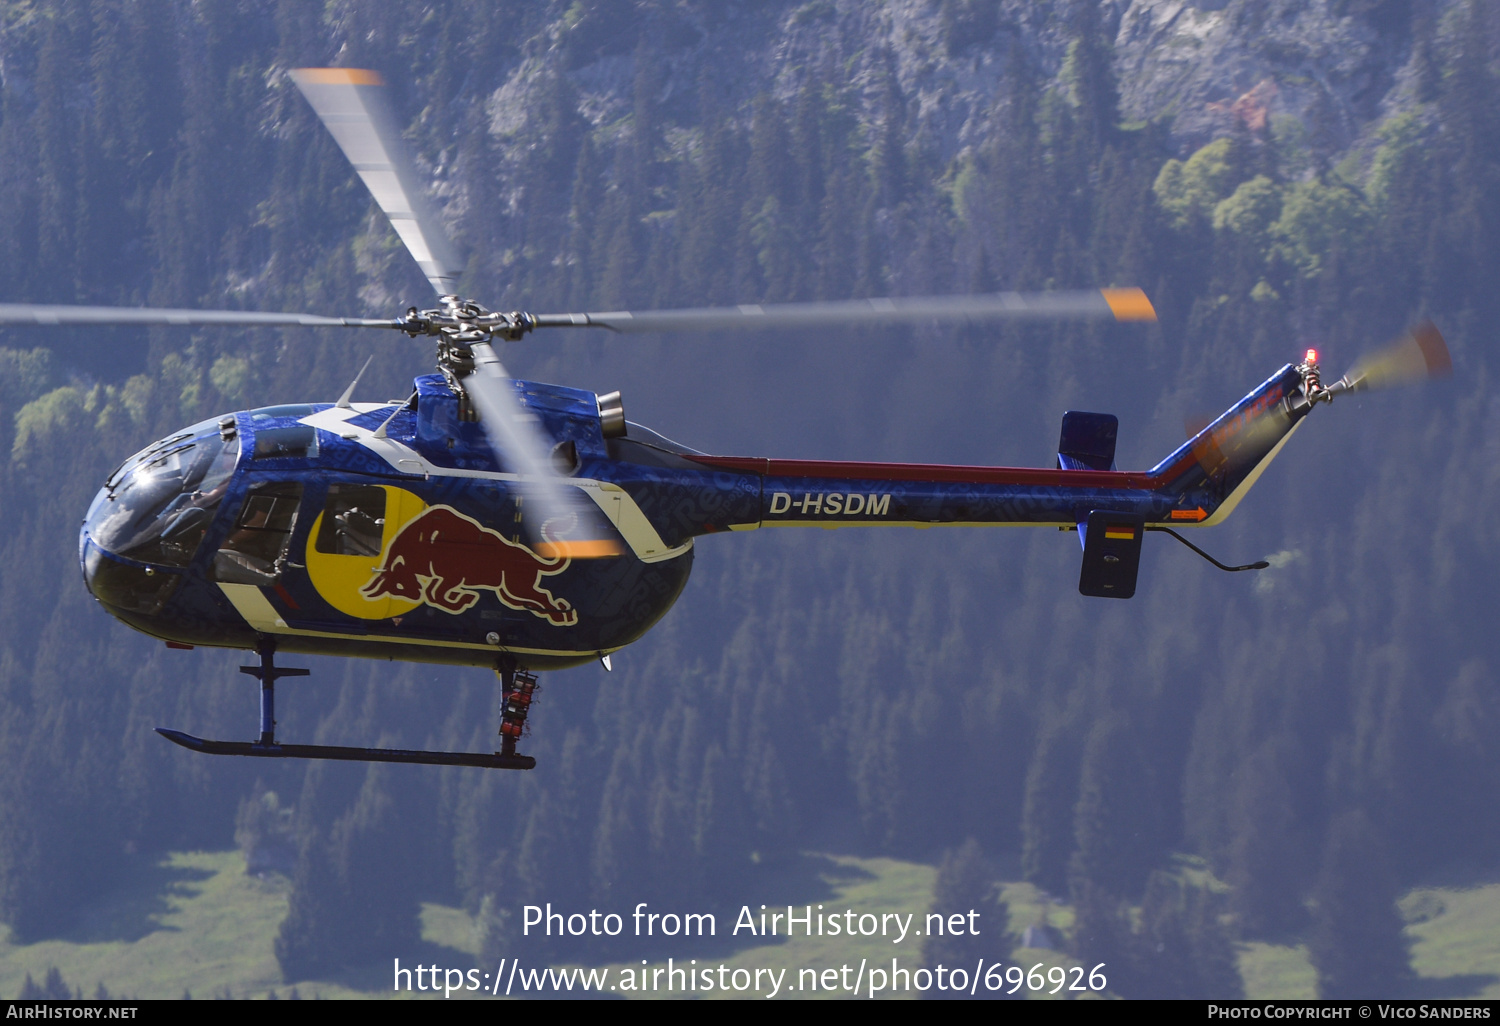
1201,66
1334,65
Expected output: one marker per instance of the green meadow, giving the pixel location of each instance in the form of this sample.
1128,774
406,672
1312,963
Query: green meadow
196,924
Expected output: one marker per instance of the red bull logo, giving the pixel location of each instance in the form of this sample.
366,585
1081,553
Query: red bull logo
445,559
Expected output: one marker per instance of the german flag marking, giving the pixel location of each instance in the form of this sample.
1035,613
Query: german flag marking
1129,304
1120,533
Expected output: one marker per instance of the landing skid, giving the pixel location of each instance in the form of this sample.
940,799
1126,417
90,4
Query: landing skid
280,751
518,687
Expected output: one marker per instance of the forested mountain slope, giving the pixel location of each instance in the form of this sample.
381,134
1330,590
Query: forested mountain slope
1275,174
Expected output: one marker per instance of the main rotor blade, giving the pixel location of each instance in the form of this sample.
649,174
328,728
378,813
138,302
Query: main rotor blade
351,104
41,313
1420,353
1118,304
565,523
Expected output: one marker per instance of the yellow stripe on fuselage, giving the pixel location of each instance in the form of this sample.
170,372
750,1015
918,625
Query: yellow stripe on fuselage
251,603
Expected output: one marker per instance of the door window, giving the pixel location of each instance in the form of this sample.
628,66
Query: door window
256,547
353,521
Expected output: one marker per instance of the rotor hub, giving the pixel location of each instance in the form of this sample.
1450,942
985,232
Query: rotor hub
458,324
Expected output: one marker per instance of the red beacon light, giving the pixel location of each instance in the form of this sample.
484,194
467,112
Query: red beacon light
1312,378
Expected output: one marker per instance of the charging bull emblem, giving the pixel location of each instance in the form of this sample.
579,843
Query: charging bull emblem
444,558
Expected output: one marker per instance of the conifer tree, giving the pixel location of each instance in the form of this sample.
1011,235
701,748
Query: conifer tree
1117,816
966,882
1357,943
1181,950
1047,835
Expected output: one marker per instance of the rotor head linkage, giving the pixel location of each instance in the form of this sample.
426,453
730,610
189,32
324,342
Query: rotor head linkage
464,317
458,324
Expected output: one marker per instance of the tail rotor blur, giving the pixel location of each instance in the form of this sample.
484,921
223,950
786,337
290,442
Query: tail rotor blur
1418,355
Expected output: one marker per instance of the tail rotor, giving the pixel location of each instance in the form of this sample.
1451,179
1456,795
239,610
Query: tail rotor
1418,355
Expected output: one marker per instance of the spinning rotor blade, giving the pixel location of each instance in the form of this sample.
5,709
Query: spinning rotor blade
1119,304
1420,353
39,313
567,523
352,107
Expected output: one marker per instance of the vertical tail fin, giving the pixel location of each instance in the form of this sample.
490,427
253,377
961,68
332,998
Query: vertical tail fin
1212,471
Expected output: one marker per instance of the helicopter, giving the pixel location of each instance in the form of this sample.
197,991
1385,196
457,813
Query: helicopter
523,527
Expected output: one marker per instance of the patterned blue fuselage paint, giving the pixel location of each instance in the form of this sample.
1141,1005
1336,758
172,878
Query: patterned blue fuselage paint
659,496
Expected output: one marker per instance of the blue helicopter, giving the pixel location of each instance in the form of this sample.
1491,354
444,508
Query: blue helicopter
522,527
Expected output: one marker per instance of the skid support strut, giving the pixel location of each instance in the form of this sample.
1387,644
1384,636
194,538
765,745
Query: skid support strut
267,673
267,747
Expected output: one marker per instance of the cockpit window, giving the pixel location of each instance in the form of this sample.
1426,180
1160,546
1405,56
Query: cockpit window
300,441
296,410
157,507
256,546
199,431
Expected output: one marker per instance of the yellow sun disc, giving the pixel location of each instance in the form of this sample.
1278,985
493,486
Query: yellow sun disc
339,578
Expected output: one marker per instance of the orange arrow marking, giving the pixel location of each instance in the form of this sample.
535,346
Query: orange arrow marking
1198,514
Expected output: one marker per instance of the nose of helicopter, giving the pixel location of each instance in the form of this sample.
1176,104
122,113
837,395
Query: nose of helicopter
122,515
146,523
126,588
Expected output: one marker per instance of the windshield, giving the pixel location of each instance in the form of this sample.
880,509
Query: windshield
158,505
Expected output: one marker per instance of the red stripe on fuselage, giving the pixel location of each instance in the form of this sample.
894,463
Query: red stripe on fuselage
1185,458
839,470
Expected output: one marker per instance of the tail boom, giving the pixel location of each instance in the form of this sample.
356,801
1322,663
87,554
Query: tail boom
1197,485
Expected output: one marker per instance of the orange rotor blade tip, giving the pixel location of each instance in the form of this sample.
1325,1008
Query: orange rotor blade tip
1434,349
596,549
341,76
1129,304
